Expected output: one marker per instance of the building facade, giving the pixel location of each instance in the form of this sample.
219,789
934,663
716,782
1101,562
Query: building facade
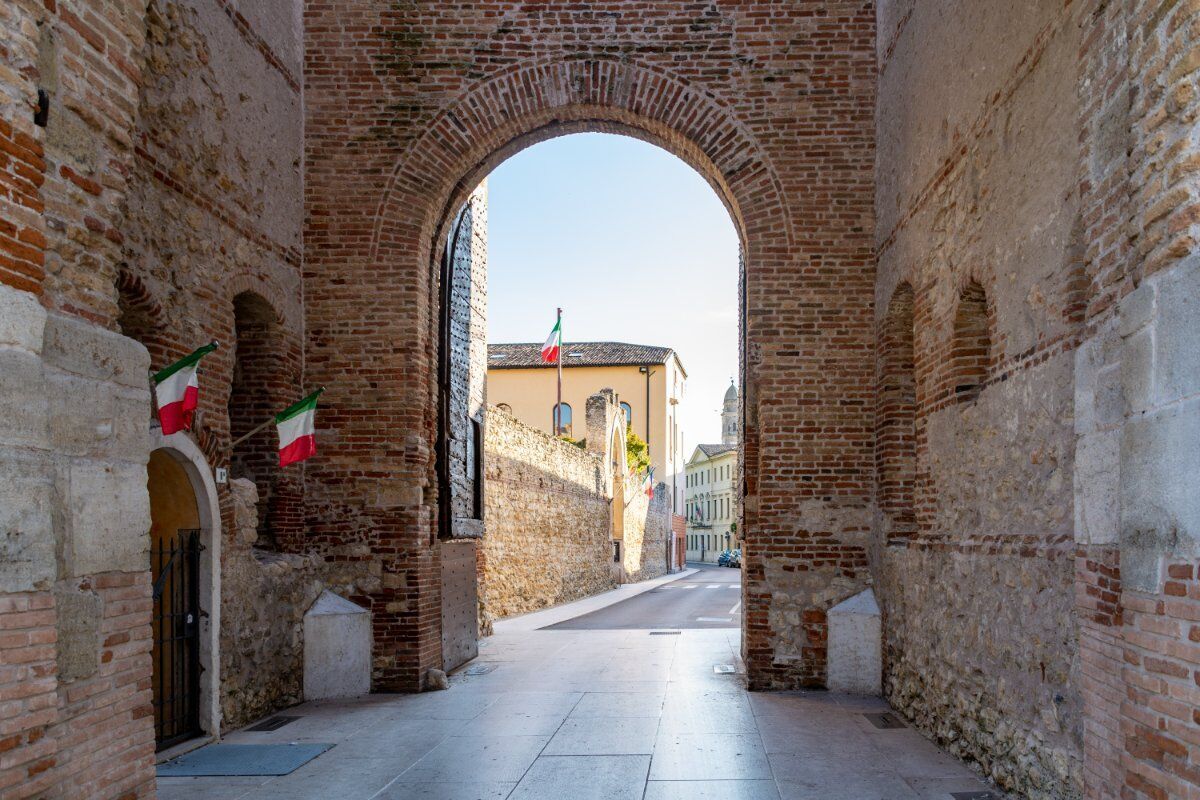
968,318
648,381
710,486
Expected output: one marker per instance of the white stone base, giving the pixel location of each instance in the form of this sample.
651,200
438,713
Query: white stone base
337,648
855,653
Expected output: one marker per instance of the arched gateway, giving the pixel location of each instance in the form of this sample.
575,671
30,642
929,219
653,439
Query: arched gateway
372,296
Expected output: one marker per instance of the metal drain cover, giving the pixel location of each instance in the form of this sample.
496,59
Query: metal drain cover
665,633
479,669
724,669
975,796
273,724
885,721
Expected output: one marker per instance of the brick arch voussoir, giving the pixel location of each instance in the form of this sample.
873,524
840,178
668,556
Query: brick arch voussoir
286,309
532,102
133,289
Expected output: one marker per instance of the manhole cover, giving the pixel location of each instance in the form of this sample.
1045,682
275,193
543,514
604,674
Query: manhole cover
665,633
479,669
975,796
885,721
724,669
274,723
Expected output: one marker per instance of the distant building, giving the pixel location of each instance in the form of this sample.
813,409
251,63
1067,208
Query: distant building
648,380
710,487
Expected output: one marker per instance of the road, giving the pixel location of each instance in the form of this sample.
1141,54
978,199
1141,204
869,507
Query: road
709,598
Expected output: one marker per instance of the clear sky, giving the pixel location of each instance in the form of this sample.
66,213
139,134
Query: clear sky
635,247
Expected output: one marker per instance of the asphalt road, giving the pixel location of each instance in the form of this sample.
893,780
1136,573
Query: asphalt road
710,598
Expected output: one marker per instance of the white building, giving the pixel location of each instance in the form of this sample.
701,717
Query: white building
710,490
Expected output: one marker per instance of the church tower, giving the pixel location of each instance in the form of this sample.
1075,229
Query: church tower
729,416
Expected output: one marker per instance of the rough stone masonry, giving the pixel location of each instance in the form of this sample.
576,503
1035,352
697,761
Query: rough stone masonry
970,344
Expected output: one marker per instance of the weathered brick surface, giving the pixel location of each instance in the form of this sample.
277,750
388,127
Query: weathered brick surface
432,99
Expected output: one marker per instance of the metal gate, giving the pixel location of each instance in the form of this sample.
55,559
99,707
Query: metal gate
175,568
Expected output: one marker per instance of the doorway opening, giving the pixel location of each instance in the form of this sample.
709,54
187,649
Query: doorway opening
640,254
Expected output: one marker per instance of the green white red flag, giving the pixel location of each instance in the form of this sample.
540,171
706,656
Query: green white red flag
177,391
553,345
648,483
297,430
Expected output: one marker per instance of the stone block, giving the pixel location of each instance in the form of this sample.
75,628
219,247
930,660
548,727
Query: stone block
93,418
855,662
27,557
79,616
22,320
81,348
1177,334
107,507
24,416
1097,487
1137,309
1137,370
1160,507
337,648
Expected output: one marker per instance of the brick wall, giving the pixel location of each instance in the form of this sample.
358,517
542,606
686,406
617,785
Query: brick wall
783,132
28,750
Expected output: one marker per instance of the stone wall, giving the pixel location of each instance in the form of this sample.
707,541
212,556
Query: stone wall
973,559
1031,530
548,536
647,534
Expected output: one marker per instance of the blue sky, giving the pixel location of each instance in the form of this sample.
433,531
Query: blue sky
634,246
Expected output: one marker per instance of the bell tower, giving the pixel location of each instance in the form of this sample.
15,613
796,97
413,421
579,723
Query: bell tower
729,416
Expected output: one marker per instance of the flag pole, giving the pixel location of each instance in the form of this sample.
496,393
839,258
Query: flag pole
558,408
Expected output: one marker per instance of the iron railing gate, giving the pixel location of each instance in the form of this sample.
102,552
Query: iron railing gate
175,568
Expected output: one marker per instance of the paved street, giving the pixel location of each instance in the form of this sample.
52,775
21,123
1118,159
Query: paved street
710,598
566,712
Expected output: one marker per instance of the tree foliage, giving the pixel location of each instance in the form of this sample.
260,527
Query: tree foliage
637,452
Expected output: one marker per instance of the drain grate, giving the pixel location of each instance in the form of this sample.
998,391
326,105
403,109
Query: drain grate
273,724
975,796
724,669
665,633
885,721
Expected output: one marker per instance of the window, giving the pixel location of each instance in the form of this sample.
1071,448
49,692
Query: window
561,422
628,409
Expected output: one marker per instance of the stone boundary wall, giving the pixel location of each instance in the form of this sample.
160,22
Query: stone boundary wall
647,534
547,534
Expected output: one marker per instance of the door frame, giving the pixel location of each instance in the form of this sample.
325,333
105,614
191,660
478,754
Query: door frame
187,454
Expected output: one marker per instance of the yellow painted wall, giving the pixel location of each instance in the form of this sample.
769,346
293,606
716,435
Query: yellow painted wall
530,393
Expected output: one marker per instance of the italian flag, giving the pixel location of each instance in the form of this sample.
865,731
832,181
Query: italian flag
648,484
296,426
177,391
553,345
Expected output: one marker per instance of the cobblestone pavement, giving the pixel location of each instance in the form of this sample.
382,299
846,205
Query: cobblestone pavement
590,714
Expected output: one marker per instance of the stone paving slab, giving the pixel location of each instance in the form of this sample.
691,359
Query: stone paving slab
604,714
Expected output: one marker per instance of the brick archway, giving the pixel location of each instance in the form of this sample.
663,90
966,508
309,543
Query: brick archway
410,148
519,108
